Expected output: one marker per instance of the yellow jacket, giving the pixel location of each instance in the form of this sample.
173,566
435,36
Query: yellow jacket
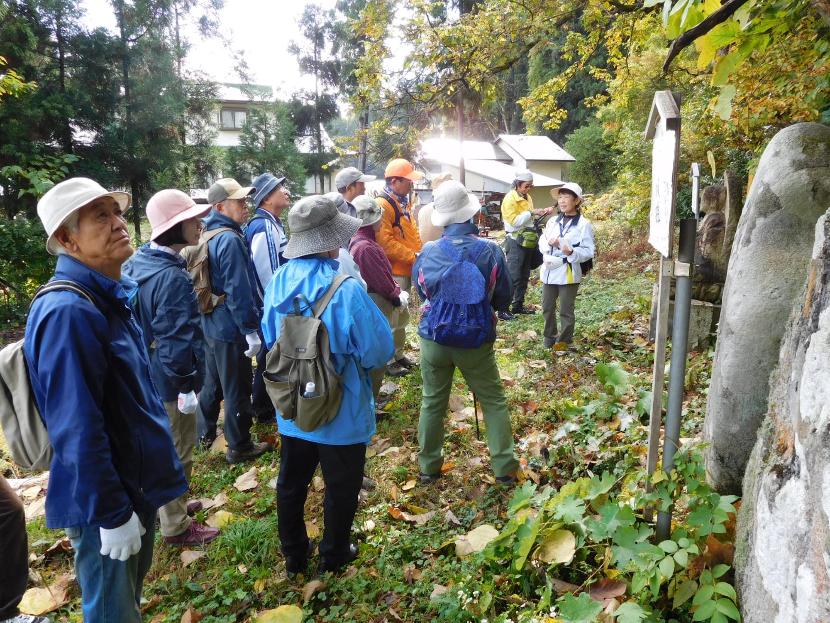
516,211
400,241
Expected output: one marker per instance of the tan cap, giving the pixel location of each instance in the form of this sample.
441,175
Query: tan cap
227,188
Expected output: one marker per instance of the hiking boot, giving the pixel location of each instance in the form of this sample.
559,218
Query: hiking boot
396,369
522,310
507,480
505,315
26,618
328,565
406,362
428,479
193,507
368,484
298,564
247,453
196,534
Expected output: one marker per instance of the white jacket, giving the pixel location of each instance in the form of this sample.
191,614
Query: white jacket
558,268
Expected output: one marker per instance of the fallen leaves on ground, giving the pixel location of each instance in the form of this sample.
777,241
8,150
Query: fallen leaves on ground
558,547
247,481
42,600
219,445
312,587
475,540
283,614
220,519
191,616
189,556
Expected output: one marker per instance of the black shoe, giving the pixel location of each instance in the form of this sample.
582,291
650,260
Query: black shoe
327,565
428,479
266,417
246,454
396,369
506,315
522,310
406,362
508,481
298,564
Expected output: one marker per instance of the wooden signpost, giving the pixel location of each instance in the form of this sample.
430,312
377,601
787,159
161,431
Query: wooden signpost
663,129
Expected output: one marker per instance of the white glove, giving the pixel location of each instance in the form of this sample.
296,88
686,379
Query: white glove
188,402
124,541
254,344
404,298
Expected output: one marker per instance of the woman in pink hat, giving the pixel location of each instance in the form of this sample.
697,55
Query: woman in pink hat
166,309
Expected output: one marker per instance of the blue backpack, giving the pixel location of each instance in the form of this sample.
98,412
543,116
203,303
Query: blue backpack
460,314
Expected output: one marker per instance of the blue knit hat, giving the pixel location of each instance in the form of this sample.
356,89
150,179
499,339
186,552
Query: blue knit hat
264,185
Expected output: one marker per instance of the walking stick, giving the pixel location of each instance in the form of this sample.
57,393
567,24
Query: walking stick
475,413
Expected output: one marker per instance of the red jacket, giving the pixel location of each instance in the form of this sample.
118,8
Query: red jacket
374,265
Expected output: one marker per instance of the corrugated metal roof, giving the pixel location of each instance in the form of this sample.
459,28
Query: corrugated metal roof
438,148
532,147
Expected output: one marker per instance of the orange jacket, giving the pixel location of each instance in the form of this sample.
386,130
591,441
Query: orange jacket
400,242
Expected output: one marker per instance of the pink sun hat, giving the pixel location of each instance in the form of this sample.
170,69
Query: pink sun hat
169,207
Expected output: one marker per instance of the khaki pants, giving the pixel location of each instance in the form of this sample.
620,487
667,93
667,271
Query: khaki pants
390,312
173,517
566,295
478,366
401,319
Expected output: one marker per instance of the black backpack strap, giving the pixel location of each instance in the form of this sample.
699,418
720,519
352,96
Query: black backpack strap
324,300
64,284
396,208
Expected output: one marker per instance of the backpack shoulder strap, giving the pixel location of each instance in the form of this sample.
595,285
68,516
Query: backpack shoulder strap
324,300
386,197
208,235
64,284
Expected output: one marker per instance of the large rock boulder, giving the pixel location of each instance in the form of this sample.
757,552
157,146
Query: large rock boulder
782,559
766,271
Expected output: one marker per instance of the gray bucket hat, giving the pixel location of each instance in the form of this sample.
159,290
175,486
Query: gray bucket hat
316,227
368,210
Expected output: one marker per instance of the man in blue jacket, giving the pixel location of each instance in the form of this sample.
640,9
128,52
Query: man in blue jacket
454,209
360,341
231,328
114,461
266,239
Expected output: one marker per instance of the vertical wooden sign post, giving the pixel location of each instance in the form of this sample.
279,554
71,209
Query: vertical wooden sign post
663,129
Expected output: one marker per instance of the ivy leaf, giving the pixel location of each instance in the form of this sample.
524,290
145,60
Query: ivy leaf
613,377
599,486
630,612
570,510
580,609
612,517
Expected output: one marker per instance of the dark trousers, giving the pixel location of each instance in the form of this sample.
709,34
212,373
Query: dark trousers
566,295
518,265
228,373
14,572
342,468
261,402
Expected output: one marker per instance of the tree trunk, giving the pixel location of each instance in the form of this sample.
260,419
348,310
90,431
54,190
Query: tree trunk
364,139
66,130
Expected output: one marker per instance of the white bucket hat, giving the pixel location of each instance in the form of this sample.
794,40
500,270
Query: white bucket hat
571,186
66,198
451,203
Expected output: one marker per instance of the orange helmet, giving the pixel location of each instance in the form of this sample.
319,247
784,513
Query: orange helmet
400,167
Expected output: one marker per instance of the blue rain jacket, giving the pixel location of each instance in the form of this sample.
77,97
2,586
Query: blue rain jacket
167,312
432,263
231,274
359,337
113,452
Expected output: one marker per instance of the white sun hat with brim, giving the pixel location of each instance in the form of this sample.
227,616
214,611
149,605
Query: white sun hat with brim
64,199
451,203
367,210
569,186
317,226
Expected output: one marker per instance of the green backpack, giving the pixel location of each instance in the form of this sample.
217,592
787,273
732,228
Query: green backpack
301,356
